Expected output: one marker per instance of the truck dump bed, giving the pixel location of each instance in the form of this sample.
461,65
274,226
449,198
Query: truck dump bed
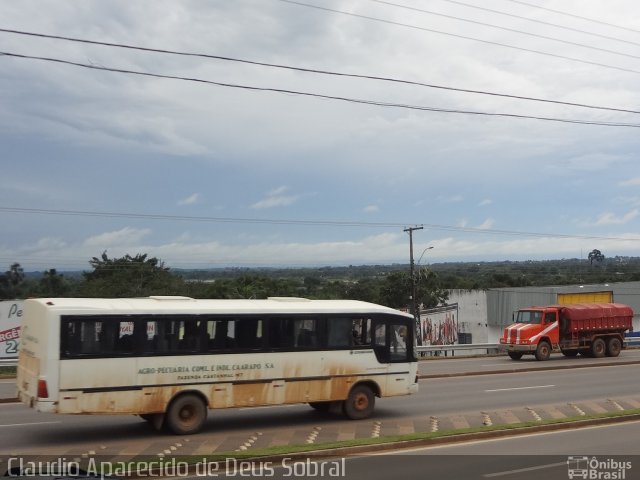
595,317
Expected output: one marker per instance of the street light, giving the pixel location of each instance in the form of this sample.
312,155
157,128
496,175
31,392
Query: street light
422,255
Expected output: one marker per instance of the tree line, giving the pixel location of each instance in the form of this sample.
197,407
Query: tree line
141,275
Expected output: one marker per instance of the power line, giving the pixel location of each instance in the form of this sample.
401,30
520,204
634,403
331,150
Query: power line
455,35
507,29
323,223
574,16
542,22
326,97
312,70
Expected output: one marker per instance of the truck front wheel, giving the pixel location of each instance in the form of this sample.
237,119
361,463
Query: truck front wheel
598,348
614,346
543,352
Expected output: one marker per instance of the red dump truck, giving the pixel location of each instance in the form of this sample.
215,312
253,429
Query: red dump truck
591,329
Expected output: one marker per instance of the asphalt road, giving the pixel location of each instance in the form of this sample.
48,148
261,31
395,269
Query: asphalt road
500,397
530,457
442,366
447,366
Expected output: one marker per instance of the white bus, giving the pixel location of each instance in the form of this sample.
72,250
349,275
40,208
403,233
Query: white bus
169,359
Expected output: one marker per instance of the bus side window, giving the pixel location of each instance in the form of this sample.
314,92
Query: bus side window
339,332
399,338
306,336
361,331
70,339
380,342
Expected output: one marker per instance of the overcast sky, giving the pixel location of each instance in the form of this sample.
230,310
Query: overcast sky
202,175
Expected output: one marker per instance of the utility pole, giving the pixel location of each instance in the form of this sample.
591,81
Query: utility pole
414,305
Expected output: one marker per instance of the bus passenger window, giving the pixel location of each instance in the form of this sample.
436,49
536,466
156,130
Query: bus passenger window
339,332
398,343
248,333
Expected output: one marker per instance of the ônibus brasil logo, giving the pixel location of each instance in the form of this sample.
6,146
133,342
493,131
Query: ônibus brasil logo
592,468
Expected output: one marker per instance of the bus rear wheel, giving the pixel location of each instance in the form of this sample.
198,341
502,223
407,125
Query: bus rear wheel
360,403
186,415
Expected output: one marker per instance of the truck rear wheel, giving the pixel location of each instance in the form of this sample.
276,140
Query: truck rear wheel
515,355
598,348
614,346
543,352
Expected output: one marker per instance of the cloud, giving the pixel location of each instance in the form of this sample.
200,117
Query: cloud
631,182
371,209
450,199
609,218
487,224
593,162
276,198
191,200
125,236
485,202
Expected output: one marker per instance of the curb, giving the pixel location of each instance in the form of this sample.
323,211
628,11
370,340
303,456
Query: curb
410,444
465,437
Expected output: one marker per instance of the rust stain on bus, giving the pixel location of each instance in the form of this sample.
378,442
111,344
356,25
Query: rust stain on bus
252,390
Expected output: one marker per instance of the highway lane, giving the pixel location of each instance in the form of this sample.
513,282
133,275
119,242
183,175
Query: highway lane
487,364
527,457
441,366
22,428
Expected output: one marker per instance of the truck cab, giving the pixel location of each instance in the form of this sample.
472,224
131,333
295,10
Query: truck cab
534,331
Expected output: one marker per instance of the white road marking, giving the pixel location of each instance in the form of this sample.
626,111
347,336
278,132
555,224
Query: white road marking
521,470
518,388
25,424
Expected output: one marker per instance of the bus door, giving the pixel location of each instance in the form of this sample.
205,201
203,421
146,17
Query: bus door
392,344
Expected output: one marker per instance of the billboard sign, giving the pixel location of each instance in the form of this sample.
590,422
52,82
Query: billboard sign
10,318
439,326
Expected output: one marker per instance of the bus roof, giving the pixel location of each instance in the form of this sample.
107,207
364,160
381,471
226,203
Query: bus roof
175,304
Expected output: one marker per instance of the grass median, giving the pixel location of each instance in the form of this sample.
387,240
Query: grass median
363,446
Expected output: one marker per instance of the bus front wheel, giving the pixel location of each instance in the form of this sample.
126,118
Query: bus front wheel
360,402
186,414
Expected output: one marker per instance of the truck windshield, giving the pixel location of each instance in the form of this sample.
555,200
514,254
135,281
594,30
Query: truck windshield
529,316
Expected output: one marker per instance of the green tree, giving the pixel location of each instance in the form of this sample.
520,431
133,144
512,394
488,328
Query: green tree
52,284
12,282
596,255
429,291
396,290
128,276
